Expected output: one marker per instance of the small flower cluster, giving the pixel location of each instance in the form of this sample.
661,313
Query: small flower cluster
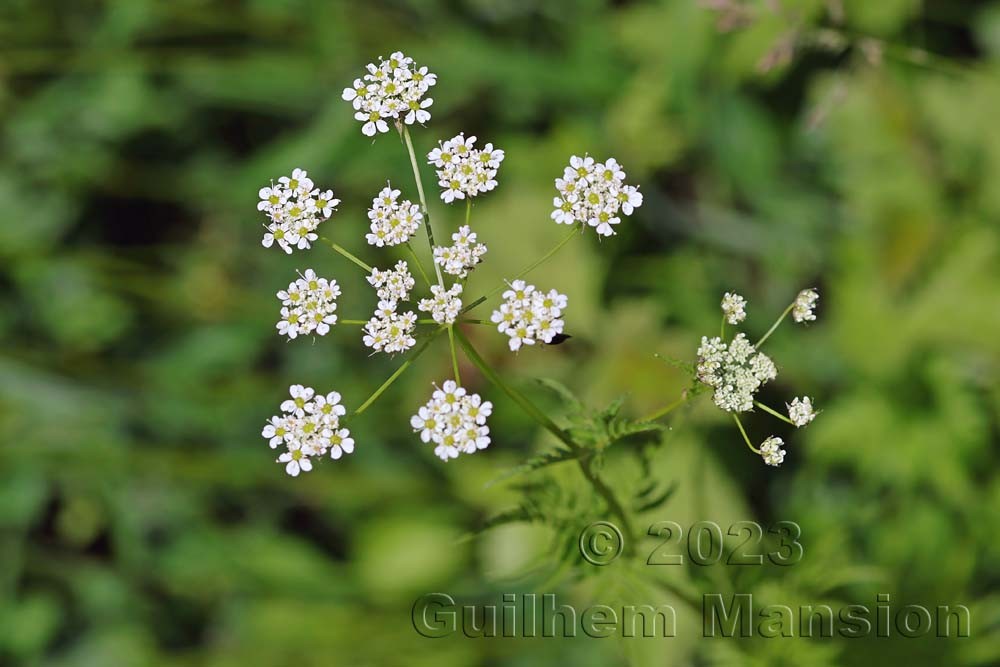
800,411
393,89
771,451
529,315
805,303
462,256
392,284
734,308
463,170
454,420
445,305
594,193
308,426
295,207
735,370
308,306
390,331
392,222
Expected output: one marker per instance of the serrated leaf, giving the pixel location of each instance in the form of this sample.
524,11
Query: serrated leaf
559,455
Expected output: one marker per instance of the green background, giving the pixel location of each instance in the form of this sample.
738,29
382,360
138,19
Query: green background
142,518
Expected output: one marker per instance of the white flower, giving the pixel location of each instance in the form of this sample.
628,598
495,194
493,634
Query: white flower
736,371
445,305
463,170
341,443
594,193
308,306
295,461
771,451
454,421
800,411
395,90
392,284
388,331
309,426
278,430
805,302
734,308
392,222
528,315
463,256
295,208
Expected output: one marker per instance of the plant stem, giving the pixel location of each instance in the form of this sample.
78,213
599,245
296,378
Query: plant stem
515,395
352,321
775,325
528,269
774,412
423,198
670,407
743,431
468,210
395,376
345,253
454,356
416,260
599,486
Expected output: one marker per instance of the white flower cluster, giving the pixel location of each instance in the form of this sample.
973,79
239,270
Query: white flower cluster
308,426
734,307
461,257
463,170
295,207
594,193
392,222
445,305
308,306
736,371
771,451
800,411
528,315
454,420
392,284
805,303
390,331
393,89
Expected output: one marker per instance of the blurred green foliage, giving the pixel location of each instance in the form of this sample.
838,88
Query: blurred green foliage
143,520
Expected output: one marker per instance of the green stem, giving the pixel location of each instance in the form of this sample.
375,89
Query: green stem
602,489
416,260
395,376
423,198
515,395
736,417
774,412
775,325
352,322
454,356
347,254
670,407
528,269
468,210
722,329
